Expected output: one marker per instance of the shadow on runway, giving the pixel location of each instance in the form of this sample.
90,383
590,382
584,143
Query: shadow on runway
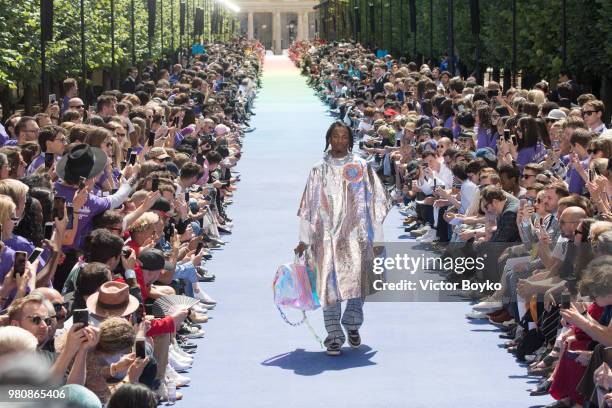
308,363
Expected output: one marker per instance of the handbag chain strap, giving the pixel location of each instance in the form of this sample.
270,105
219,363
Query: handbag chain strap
304,320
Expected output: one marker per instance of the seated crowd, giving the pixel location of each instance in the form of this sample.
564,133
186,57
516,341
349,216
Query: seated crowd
107,218
523,176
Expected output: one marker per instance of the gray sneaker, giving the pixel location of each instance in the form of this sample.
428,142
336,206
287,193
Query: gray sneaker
354,338
333,349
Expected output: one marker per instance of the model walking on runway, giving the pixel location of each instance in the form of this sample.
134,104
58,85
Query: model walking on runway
341,216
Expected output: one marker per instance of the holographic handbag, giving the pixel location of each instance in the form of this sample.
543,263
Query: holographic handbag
295,287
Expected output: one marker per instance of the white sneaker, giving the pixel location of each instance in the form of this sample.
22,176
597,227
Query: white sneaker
177,349
200,308
476,315
195,334
408,210
179,380
420,231
487,306
180,358
205,298
176,364
429,236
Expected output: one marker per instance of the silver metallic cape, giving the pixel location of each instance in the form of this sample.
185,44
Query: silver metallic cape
344,204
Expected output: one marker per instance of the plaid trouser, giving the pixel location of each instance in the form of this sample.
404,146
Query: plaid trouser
351,320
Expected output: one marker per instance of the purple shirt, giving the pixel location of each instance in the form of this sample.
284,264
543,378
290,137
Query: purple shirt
102,179
4,136
178,138
204,179
532,154
19,243
65,104
92,207
39,161
448,123
575,183
7,257
486,138
36,163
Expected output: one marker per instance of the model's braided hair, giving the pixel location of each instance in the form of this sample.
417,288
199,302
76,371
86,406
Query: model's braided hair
333,126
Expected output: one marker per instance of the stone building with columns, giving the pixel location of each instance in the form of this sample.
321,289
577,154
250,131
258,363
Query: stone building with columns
277,23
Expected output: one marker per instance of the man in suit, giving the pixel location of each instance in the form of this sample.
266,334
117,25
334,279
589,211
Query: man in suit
566,76
129,85
504,207
380,76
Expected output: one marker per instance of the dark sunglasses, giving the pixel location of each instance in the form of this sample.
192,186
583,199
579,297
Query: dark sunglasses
592,151
38,320
58,306
588,113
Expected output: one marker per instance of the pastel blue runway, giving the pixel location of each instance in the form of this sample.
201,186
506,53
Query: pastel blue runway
413,354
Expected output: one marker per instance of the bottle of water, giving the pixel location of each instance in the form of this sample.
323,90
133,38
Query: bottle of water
171,392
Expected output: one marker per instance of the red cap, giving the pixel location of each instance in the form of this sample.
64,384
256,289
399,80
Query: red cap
390,112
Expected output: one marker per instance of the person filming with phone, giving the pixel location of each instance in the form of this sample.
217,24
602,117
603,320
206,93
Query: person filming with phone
78,171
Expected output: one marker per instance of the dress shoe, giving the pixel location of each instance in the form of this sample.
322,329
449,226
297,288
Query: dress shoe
475,315
542,388
504,316
205,276
495,313
223,230
412,226
198,317
487,306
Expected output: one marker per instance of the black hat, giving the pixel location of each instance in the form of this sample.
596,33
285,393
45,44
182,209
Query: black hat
152,259
81,161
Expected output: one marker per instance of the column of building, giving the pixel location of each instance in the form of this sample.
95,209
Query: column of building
250,29
276,33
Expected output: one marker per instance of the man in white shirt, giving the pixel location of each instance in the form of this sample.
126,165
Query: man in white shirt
434,175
